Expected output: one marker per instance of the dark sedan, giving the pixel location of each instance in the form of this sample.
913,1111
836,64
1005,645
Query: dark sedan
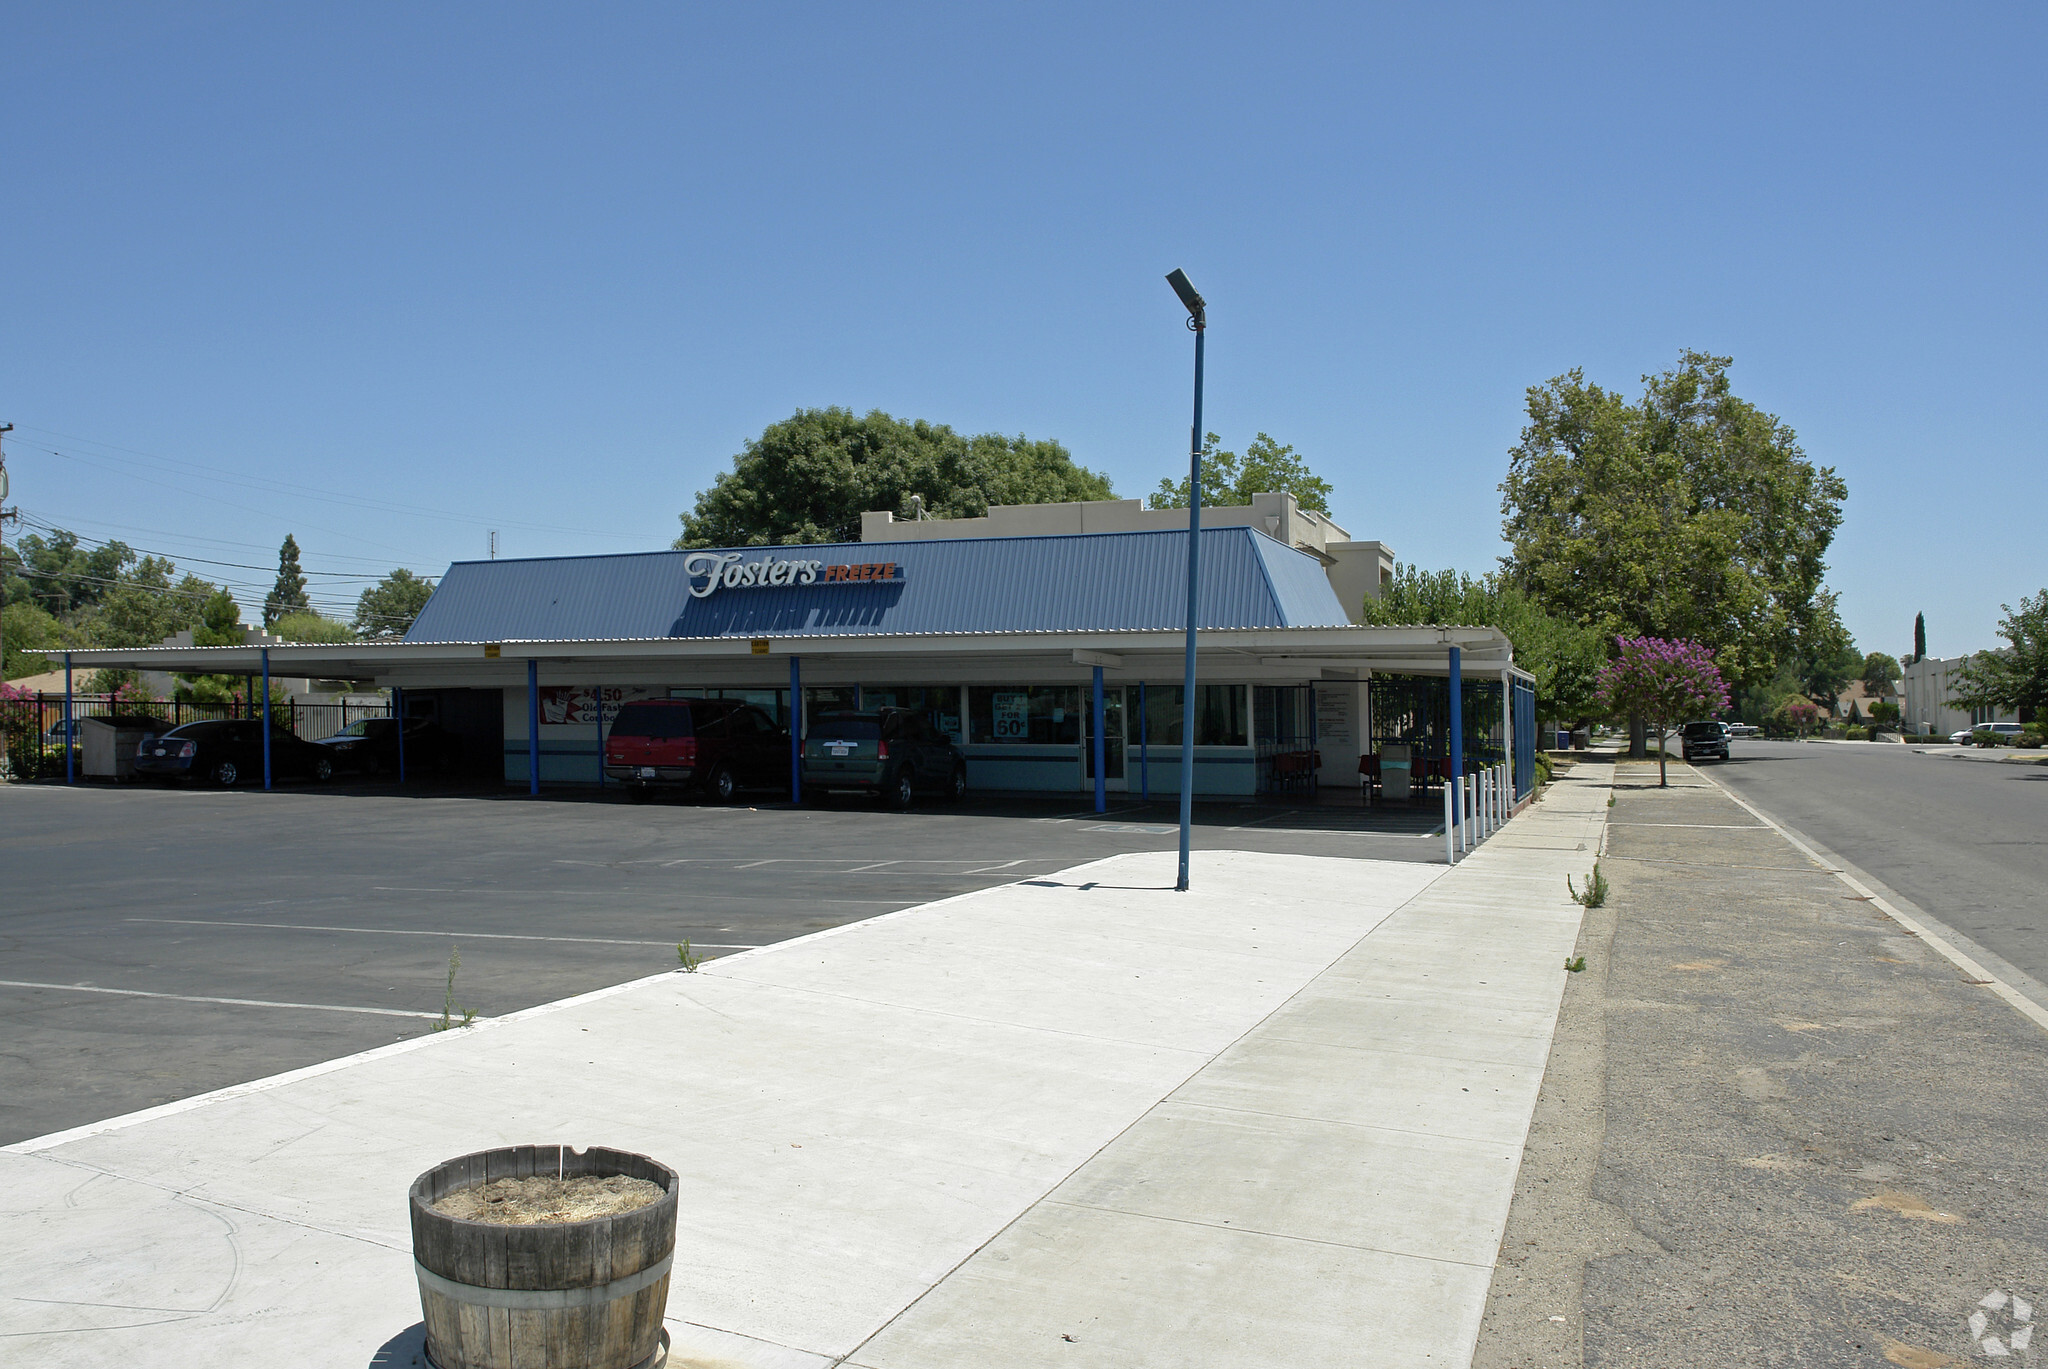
229,752
369,746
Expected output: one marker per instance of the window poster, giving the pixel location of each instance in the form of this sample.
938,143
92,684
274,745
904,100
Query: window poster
1012,716
579,705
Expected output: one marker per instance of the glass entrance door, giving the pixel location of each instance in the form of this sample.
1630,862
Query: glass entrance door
1112,737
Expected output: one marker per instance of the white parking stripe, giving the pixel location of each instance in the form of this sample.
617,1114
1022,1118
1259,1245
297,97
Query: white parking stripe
232,1002
460,936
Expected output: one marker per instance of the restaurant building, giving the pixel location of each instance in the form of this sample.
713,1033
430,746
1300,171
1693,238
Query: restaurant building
1023,634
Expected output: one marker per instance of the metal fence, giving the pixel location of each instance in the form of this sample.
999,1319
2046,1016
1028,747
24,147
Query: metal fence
34,726
1415,710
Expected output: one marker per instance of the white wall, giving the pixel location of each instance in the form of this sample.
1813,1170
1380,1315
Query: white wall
1928,683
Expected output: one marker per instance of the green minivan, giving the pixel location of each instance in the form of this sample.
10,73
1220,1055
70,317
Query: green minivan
893,752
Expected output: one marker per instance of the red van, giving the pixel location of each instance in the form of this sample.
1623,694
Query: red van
714,746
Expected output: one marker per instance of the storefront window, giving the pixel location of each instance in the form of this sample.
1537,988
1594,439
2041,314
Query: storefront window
828,699
940,704
1219,716
773,702
1035,715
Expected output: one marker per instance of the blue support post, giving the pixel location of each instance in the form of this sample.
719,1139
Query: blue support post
398,716
1144,750
1187,692
1457,732
1101,795
266,717
69,778
533,725
796,730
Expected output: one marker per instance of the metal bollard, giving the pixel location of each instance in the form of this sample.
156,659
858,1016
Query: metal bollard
1450,836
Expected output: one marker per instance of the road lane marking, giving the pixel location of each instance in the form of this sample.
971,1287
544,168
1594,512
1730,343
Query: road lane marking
459,936
232,1002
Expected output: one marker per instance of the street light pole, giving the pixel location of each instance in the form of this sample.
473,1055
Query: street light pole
1198,322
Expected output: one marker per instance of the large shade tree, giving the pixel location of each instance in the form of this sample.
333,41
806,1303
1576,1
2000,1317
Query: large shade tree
1685,513
811,476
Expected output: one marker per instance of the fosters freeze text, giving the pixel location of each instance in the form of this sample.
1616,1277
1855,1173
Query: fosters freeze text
725,570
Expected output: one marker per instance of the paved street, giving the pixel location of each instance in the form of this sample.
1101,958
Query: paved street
132,916
1775,1127
1965,839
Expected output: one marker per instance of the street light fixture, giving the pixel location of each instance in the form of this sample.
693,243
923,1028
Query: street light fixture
1198,322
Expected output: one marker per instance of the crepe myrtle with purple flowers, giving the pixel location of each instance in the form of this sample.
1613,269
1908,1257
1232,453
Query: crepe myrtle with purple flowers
1664,682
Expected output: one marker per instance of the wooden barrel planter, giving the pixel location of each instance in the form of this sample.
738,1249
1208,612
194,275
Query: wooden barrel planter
561,1295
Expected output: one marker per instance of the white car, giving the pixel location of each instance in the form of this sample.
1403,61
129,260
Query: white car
1962,738
1743,729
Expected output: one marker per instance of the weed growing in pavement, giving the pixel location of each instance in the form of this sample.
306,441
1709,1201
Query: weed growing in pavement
1575,964
448,1005
1595,892
690,962
1610,800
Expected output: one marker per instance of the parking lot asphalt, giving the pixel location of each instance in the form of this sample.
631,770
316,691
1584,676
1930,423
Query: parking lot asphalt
156,944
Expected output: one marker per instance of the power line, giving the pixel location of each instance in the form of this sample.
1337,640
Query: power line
269,485
47,526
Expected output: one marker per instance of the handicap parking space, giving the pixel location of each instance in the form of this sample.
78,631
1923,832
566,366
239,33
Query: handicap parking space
156,943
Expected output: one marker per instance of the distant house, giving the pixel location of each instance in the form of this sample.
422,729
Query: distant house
1855,693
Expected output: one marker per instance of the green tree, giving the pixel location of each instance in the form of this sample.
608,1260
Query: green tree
2015,675
1228,479
61,575
1826,657
1688,513
811,476
220,621
1880,674
289,594
1564,657
144,606
219,624
25,626
1919,637
309,626
388,608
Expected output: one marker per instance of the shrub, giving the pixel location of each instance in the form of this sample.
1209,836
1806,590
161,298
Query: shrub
1856,734
1984,736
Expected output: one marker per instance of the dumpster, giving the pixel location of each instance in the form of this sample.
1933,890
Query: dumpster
107,744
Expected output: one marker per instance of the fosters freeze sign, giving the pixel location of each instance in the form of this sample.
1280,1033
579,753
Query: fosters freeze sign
711,571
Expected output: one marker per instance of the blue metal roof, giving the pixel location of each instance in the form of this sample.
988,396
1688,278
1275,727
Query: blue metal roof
1090,582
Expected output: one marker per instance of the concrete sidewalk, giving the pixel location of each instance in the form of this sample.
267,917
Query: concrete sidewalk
1081,1118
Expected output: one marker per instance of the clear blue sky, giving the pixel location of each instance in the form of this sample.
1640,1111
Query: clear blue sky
387,276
